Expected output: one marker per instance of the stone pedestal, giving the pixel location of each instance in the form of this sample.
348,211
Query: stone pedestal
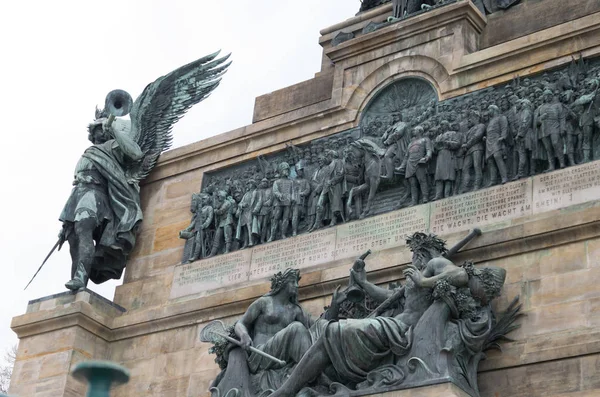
58,332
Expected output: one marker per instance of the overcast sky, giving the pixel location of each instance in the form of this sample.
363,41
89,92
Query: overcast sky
60,59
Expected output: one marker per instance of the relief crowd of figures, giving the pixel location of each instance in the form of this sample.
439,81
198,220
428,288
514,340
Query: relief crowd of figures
427,151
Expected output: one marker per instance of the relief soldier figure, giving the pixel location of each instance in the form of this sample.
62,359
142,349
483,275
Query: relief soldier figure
509,109
589,116
445,145
497,133
458,155
248,205
317,183
196,233
395,141
265,213
525,139
552,125
300,193
331,194
474,149
353,177
224,214
308,165
414,166
282,201
571,121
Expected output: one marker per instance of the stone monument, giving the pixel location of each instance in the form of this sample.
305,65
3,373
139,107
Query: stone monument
459,115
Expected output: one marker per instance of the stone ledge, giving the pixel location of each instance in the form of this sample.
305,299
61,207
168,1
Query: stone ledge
527,20
64,298
80,314
524,45
294,97
429,25
354,23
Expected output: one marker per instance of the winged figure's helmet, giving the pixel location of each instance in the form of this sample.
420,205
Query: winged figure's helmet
99,117
100,114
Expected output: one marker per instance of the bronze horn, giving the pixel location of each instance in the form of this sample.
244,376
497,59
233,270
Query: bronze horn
354,293
117,103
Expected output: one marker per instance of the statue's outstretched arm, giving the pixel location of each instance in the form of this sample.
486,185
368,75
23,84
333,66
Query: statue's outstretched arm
127,145
246,322
452,274
376,293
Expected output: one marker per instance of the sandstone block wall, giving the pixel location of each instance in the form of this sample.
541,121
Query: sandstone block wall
552,257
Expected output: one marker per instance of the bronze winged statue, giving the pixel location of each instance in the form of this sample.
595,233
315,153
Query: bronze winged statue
103,213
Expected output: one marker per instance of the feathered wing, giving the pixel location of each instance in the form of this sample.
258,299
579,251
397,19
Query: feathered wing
165,101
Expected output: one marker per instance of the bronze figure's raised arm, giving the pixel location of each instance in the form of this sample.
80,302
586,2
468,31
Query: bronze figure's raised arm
103,212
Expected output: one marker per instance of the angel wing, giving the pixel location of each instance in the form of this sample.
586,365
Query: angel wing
164,102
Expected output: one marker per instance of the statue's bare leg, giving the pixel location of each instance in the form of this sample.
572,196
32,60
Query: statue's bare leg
313,363
81,242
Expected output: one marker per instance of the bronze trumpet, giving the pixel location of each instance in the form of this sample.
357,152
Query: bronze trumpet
354,293
117,103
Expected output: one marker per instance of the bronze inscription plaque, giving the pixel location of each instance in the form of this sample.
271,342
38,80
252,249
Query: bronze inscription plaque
380,232
300,252
482,207
211,273
566,187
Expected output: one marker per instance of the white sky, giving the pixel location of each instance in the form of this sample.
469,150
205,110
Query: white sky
60,58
